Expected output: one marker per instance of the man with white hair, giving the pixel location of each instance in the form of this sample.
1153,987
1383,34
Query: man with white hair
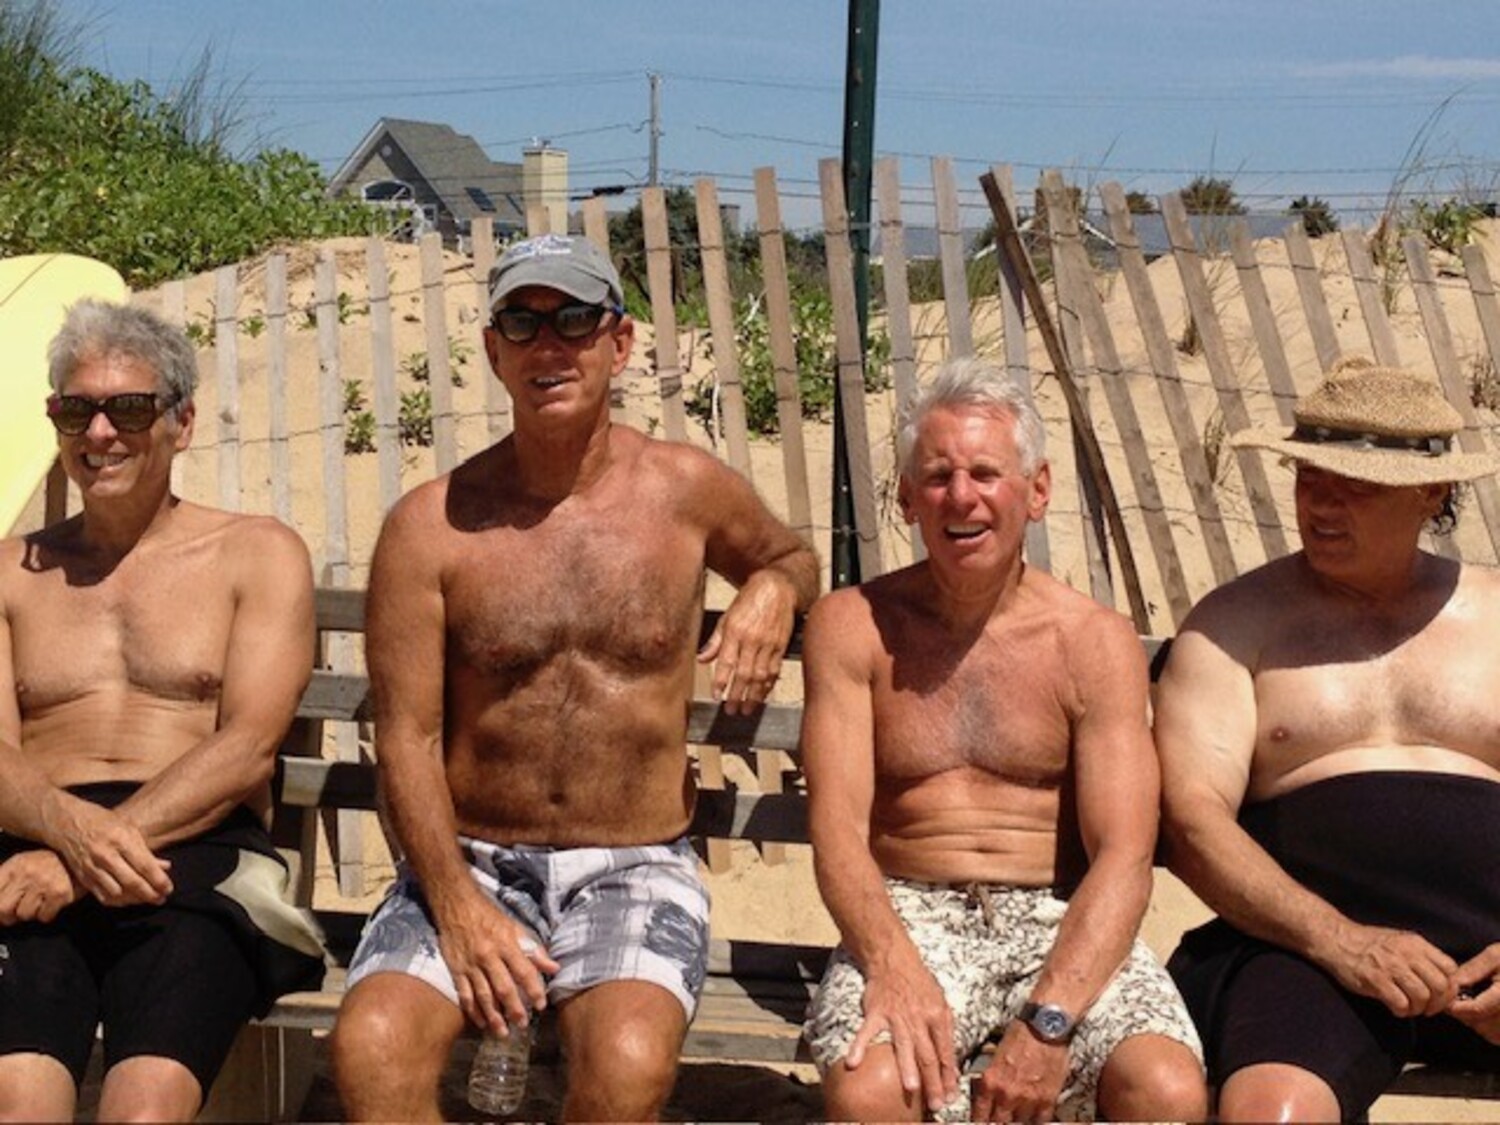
1330,743
983,808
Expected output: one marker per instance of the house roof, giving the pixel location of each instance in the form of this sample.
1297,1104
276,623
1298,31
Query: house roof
454,165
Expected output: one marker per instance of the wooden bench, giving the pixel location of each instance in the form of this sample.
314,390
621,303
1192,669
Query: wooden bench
756,992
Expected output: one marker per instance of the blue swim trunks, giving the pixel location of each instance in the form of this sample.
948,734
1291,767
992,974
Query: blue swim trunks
604,914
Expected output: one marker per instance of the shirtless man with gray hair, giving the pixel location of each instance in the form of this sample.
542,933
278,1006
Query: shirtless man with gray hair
533,620
152,653
983,808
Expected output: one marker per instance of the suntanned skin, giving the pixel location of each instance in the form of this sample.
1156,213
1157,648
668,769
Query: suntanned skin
971,719
1358,653
151,640
531,640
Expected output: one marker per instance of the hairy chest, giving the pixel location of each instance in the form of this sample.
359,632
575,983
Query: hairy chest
1001,712
624,593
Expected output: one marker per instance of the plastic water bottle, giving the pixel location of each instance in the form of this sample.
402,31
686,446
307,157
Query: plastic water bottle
497,1080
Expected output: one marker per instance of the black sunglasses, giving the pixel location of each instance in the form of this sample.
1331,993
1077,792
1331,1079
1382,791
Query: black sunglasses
129,413
572,321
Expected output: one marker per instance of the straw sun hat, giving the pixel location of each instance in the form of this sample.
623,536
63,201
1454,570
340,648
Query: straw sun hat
1378,424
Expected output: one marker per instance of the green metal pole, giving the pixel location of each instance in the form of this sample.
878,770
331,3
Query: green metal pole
859,157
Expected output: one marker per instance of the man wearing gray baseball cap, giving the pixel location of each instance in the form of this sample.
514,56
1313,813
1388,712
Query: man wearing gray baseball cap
532,622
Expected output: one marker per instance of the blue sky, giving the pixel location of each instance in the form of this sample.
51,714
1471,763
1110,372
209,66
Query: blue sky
1317,97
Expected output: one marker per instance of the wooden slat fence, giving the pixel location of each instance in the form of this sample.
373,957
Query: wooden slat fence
1167,363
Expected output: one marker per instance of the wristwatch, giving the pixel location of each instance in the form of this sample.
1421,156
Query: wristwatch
1050,1023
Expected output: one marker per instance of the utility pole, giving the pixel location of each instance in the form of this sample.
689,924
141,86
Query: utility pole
859,155
655,125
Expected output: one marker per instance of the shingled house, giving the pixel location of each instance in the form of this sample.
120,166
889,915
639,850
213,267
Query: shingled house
444,180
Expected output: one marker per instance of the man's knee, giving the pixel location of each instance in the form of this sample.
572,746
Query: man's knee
870,1092
150,1088
35,1087
1276,1092
623,1041
393,1033
1151,1077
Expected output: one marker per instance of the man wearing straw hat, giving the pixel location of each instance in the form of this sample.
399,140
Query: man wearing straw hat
1329,730
533,620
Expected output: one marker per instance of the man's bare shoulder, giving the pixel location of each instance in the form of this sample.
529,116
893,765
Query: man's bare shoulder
1246,610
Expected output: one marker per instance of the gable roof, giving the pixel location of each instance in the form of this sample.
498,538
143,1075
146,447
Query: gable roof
453,164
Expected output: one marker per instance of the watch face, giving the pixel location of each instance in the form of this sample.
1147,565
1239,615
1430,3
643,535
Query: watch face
1051,1022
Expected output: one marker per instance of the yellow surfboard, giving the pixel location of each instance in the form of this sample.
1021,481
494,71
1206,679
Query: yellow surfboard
35,292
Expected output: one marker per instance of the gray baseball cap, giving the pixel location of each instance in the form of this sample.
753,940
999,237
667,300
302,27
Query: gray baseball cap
568,263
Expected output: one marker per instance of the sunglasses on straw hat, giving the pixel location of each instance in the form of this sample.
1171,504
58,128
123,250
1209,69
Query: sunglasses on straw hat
1383,425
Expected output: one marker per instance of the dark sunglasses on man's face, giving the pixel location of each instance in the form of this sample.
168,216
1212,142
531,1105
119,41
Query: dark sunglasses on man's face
573,321
128,413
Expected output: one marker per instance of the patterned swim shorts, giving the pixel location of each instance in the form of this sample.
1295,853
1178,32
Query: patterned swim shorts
604,914
985,944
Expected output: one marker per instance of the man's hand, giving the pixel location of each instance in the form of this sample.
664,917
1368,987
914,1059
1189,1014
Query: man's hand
1023,1080
1478,1002
750,640
496,964
906,1001
1403,970
107,854
34,887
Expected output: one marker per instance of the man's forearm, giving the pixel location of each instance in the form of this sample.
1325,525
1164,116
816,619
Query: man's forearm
854,891
202,787
420,807
799,569
1102,920
1237,879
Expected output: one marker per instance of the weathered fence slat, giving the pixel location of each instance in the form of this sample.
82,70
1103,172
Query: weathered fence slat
897,296
383,371
1091,497
1263,321
1162,357
1067,243
721,326
439,369
663,313
276,388
596,230
227,362
773,271
496,397
1486,306
1310,288
1017,361
1370,291
1455,387
1221,370
346,843
851,370
951,255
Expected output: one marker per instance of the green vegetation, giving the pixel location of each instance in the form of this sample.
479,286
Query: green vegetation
817,365
1209,196
95,166
1317,215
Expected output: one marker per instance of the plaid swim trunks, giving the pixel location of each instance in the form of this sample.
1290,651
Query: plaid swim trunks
604,914
985,944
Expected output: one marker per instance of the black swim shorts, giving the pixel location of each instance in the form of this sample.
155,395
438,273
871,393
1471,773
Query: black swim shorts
163,981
